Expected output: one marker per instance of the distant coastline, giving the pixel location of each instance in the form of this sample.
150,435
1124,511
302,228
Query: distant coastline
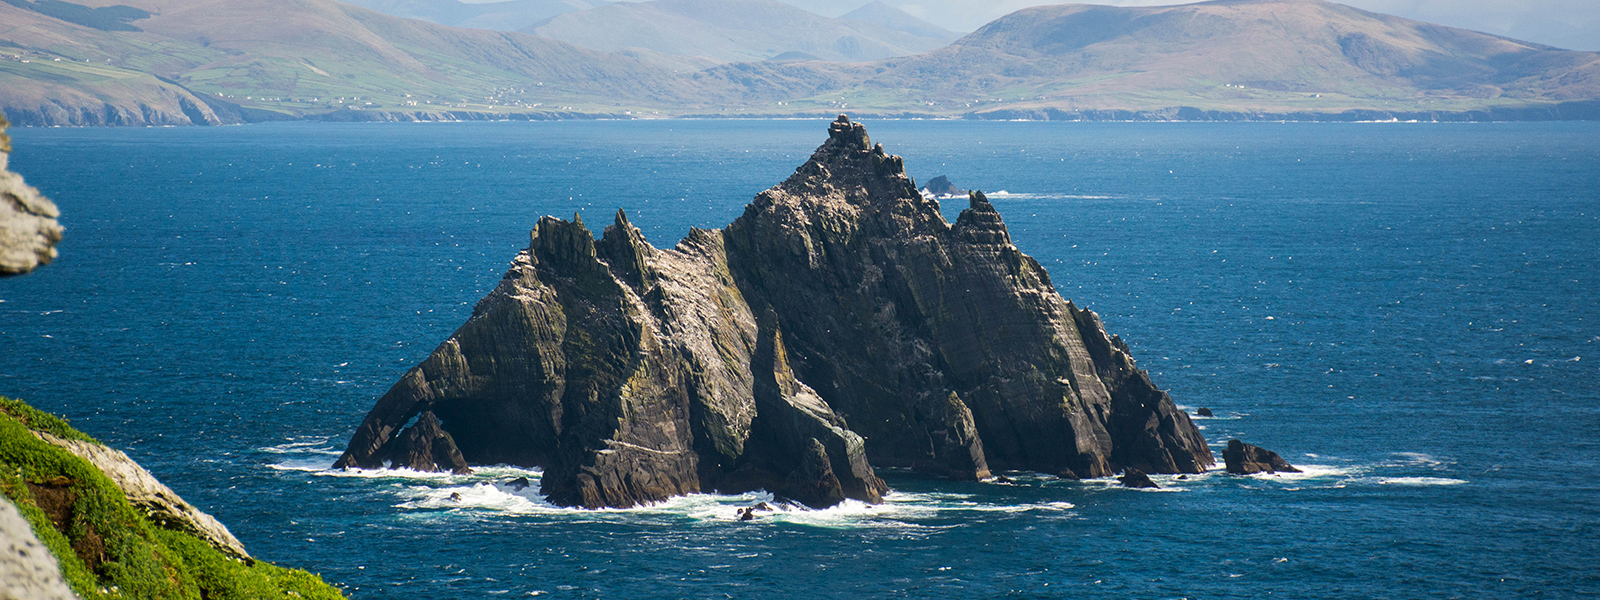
1576,110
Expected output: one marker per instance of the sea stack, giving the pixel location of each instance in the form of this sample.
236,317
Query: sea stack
841,322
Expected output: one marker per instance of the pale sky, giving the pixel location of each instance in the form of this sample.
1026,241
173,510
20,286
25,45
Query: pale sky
1571,24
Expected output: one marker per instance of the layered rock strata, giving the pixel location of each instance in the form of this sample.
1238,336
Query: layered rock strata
28,227
840,322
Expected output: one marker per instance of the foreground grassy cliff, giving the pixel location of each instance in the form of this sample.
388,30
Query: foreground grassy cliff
111,546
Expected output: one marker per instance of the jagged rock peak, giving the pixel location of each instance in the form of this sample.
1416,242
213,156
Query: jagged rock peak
839,323
847,135
980,223
623,247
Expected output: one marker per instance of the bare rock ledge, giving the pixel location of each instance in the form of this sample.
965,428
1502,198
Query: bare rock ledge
841,322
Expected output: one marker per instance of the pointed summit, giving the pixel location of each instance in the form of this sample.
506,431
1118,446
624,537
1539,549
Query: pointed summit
840,322
849,170
847,134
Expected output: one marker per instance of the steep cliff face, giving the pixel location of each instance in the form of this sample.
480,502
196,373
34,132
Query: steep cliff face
946,346
28,227
840,302
630,374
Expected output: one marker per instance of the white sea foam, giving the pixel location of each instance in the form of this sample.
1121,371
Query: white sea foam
1031,196
1417,459
302,445
310,465
434,496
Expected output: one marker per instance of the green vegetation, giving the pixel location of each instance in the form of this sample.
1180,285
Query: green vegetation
105,547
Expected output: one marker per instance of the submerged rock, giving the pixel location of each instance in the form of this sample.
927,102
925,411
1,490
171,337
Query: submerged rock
1245,459
732,361
28,227
1135,478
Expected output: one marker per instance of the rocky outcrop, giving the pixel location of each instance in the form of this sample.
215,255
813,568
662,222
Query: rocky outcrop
28,227
941,187
1134,478
1245,459
841,322
425,446
153,499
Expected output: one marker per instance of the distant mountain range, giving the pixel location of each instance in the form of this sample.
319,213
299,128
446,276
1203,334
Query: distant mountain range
506,15
1222,59
723,31
136,62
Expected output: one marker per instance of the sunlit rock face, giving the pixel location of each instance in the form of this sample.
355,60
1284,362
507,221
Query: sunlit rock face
840,322
28,227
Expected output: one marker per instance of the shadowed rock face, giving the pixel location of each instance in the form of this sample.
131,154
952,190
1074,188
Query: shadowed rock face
28,227
750,358
1245,459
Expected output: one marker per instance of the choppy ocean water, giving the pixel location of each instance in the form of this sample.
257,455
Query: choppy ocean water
1407,310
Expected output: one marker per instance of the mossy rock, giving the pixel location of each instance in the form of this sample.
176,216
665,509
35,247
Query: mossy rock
105,547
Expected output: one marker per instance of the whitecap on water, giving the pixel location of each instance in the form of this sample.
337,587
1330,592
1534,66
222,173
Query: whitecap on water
1419,481
1417,459
302,445
309,465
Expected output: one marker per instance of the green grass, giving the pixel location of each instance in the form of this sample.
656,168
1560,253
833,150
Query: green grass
106,549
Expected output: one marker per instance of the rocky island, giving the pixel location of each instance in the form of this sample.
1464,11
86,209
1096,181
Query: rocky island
841,322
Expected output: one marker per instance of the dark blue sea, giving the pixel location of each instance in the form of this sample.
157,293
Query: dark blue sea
1410,312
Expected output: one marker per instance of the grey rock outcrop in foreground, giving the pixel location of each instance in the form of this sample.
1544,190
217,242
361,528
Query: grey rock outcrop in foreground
28,571
28,227
840,322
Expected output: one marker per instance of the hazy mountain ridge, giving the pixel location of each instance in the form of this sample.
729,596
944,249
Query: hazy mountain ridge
886,16
507,15
299,58
731,31
1263,56
228,61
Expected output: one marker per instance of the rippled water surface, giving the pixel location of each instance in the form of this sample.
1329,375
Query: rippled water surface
1407,310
